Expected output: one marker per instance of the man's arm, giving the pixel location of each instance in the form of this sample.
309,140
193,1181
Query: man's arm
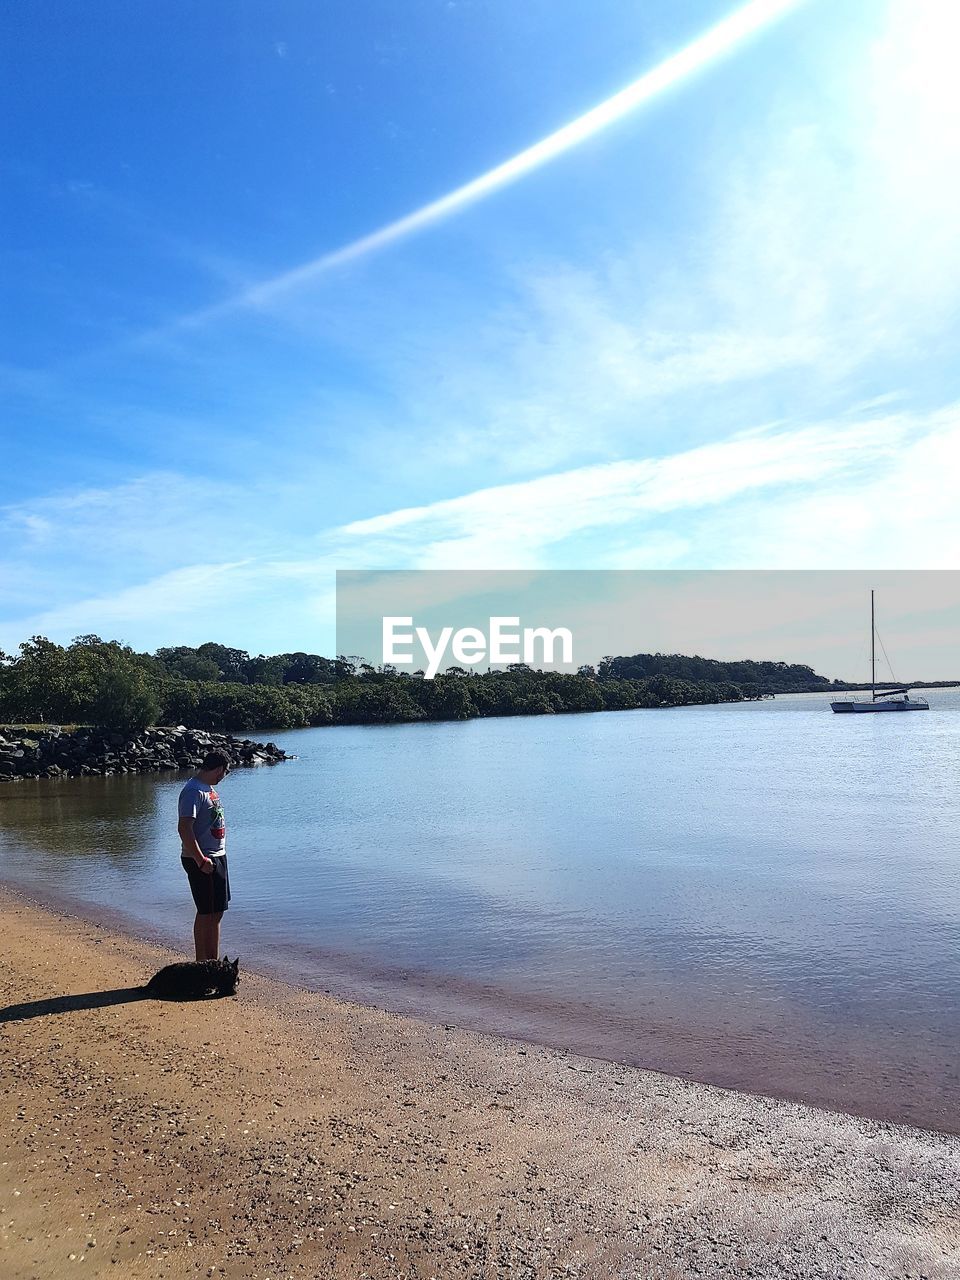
188,843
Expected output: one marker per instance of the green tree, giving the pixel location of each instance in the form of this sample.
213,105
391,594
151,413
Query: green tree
188,664
445,698
231,663
261,670
38,685
308,668
124,699
111,685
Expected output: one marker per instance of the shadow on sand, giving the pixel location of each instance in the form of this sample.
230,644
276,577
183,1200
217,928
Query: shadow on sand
66,1004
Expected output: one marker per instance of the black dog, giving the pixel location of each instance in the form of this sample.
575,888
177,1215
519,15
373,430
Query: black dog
195,979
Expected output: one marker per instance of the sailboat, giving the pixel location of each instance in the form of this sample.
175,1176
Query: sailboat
895,699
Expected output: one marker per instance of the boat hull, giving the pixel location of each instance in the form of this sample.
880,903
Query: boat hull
843,708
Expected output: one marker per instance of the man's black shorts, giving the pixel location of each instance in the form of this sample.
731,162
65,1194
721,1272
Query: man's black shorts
211,890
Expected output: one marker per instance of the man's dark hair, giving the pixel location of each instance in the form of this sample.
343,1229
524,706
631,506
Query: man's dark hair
215,760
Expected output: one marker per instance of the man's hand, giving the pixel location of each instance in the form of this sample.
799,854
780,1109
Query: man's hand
190,848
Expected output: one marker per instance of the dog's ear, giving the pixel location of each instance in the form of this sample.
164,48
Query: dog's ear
236,966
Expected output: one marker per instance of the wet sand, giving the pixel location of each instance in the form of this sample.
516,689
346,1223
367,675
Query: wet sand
286,1134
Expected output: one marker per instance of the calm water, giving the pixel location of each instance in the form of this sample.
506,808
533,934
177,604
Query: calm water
763,895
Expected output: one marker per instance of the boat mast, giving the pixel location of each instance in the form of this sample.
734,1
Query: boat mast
873,652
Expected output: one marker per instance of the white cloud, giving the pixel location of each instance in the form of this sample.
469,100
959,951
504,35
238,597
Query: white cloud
838,495
511,525
900,513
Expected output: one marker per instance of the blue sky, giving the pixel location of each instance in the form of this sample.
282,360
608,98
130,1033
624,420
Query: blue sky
720,333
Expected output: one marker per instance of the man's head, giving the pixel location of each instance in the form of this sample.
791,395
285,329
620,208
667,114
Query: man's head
215,766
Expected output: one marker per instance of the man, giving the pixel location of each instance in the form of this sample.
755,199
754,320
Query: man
203,851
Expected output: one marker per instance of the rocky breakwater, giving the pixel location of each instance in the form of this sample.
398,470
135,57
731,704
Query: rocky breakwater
89,752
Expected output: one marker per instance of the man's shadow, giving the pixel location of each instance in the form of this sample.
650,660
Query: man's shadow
66,1004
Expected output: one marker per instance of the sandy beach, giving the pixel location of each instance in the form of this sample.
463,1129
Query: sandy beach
285,1134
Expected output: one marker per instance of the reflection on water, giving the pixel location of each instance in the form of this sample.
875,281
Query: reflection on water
106,820
764,895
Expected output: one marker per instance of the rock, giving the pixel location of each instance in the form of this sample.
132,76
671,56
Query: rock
93,751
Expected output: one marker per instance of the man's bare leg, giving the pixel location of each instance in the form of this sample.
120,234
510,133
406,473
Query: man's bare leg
206,935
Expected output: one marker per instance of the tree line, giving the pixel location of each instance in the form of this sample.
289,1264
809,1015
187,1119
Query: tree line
106,683
768,677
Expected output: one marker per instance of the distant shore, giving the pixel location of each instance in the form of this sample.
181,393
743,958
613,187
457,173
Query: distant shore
285,1133
845,686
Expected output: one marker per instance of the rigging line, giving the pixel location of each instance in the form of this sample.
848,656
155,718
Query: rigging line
886,659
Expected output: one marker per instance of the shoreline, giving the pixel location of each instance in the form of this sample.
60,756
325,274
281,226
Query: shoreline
289,1133
859,1076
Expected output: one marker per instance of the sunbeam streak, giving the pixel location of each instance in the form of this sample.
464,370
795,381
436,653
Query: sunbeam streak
714,44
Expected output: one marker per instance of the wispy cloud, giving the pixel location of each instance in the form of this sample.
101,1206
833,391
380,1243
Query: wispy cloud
822,497
592,362
508,524
896,512
144,520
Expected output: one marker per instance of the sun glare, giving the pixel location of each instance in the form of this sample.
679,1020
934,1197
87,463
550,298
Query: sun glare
920,50
714,44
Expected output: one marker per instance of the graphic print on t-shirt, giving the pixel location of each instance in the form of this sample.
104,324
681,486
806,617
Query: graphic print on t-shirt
218,823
